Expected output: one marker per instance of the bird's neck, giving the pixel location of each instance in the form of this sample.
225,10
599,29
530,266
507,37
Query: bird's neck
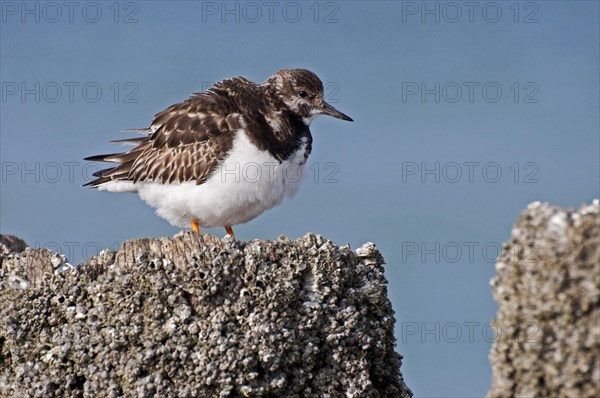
279,131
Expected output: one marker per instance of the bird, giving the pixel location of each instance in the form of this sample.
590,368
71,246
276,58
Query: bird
222,157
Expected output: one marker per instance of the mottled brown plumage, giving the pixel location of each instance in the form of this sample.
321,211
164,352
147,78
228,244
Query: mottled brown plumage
188,140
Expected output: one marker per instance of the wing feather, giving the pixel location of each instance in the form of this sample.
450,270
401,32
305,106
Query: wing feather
185,142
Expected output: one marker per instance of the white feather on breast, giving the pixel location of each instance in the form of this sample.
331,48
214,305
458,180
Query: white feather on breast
248,182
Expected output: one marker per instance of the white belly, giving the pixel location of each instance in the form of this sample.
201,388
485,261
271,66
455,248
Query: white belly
248,182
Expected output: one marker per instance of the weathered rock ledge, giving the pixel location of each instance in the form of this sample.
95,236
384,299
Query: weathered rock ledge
199,317
547,286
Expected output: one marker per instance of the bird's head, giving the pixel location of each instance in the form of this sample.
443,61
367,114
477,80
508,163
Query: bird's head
302,92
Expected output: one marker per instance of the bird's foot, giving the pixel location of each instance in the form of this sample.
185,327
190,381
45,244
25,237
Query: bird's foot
195,226
229,231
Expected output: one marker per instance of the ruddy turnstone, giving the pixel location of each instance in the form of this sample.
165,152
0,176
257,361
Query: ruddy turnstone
222,157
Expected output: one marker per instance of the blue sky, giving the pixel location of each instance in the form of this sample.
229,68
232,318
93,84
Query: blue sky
463,116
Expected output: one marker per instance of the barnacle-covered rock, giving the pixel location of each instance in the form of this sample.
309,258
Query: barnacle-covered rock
10,244
547,285
199,317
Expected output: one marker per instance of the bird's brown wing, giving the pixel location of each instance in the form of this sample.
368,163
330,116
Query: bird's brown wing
185,142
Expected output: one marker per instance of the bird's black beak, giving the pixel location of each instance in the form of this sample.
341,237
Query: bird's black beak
327,109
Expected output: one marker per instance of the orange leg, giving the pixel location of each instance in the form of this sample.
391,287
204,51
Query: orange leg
195,226
230,232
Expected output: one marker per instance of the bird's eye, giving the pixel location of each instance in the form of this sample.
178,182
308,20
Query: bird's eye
302,93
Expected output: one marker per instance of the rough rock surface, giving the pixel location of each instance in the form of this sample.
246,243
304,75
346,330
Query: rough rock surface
190,317
10,244
547,286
